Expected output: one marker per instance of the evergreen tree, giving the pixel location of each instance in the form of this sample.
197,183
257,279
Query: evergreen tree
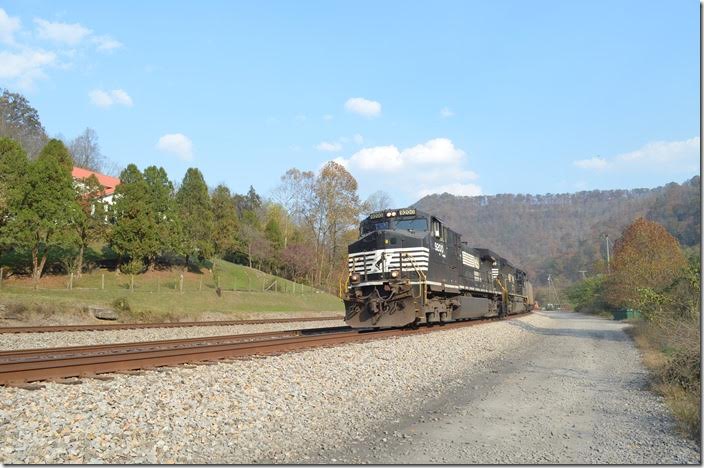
90,224
162,207
196,214
225,223
13,167
46,210
135,235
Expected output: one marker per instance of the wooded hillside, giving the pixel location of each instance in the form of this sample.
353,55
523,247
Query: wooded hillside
561,234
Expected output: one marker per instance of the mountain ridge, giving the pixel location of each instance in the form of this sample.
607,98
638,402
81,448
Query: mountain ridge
562,234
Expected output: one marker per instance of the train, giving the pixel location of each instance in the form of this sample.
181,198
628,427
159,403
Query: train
409,268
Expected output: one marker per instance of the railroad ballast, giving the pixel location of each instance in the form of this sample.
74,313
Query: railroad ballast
409,268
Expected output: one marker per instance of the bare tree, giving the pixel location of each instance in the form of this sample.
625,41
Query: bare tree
377,201
86,151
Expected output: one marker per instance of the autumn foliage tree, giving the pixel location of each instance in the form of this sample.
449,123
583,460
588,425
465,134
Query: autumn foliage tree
646,258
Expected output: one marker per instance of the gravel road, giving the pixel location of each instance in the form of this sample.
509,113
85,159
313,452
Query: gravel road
543,388
574,393
9,341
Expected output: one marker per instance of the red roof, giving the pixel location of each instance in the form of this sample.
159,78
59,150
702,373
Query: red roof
106,181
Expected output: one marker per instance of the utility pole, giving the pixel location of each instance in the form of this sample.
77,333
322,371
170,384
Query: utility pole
583,272
553,296
608,254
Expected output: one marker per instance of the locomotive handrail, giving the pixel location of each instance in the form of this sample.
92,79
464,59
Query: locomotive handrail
420,273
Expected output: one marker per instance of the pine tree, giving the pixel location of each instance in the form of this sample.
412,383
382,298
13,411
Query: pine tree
135,235
225,223
44,214
90,224
196,214
162,208
13,167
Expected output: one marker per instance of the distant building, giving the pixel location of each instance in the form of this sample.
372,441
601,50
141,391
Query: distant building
109,183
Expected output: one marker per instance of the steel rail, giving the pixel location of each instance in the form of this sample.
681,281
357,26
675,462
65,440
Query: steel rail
133,326
9,355
28,368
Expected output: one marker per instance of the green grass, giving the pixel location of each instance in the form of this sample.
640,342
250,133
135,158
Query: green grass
158,295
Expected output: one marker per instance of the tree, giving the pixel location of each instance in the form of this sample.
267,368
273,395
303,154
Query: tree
338,207
135,235
13,167
225,222
645,257
42,218
378,201
91,222
196,213
289,193
162,209
86,151
20,121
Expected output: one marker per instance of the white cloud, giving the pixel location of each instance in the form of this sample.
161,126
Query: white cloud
663,152
9,25
106,43
25,67
358,139
178,144
670,156
327,117
446,112
65,33
377,158
106,99
596,163
363,107
435,166
328,146
437,151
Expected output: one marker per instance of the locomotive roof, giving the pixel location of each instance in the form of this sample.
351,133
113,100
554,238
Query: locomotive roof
415,212
490,253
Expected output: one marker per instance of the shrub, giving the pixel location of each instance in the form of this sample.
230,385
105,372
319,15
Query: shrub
121,303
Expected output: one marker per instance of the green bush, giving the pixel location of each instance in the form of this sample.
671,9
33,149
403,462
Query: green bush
587,295
121,303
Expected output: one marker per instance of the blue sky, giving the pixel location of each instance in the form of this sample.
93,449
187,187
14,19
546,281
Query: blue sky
413,97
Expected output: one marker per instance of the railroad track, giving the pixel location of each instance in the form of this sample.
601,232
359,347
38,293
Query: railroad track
22,366
132,326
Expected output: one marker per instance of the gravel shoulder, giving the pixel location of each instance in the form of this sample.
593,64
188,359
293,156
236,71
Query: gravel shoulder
11,341
577,394
500,387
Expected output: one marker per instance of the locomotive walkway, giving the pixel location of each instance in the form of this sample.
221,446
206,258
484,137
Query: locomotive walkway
575,394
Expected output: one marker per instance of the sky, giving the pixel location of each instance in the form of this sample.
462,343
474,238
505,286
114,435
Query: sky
412,97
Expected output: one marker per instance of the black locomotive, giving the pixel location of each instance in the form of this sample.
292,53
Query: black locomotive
408,268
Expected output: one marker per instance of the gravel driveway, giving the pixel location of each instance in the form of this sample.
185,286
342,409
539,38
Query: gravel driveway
543,388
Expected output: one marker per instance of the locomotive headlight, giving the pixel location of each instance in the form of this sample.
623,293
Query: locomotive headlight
354,278
395,274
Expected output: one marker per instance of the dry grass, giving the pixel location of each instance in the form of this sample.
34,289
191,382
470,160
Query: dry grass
671,351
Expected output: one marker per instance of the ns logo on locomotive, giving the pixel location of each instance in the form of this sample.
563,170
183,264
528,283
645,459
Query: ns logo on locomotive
408,268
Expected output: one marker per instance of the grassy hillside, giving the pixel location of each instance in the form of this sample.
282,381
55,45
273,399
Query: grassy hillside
162,295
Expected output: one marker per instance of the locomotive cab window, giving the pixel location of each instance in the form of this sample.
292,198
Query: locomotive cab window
437,229
374,226
419,224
